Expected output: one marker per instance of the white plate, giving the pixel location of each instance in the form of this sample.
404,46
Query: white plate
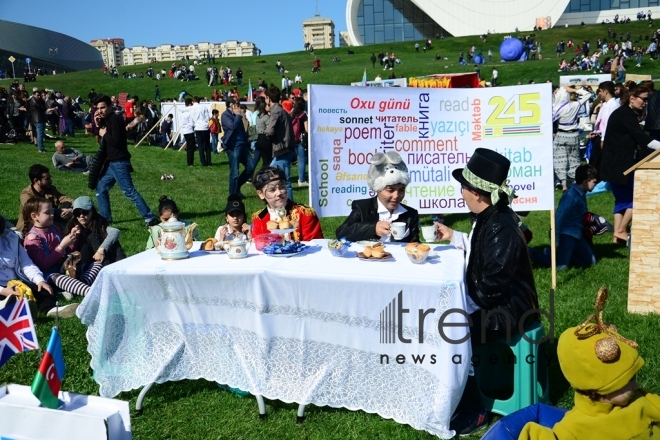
285,255
214,252
282,231
366,242
387,257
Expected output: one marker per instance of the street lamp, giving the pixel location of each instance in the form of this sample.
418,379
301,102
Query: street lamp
53,51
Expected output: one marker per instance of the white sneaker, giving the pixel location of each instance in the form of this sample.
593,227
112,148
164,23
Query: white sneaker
300,183
67,311
67,295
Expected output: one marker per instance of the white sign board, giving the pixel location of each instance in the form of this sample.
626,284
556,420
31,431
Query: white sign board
584,80
396,82
434,131
80,417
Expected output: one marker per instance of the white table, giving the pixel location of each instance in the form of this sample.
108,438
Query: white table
304,329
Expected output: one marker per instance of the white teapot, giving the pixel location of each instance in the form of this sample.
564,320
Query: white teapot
237,248
174,240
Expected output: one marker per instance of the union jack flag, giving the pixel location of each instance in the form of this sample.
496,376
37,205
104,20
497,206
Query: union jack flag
16,330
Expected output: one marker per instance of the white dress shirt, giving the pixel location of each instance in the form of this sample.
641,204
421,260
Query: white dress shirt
384,215
200,116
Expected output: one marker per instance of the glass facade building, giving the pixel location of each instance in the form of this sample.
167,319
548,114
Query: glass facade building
386,21
607,5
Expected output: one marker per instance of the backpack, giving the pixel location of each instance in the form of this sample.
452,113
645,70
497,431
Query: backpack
298,127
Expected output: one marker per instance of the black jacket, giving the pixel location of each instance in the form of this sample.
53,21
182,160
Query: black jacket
361,222
37,111
115,139
499,273
91,244
622,137
96,166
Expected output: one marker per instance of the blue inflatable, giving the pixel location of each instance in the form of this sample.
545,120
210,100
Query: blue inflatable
478,60
509,427
511,49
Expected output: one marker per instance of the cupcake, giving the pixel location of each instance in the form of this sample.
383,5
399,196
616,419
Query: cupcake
272,224
378,252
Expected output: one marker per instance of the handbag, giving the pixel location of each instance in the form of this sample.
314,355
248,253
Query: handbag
70,265
252,133
304,139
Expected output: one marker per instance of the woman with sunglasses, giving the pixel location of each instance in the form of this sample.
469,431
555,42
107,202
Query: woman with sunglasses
623,138
97,243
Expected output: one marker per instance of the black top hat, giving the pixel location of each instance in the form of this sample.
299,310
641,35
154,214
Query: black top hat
234,203
487,165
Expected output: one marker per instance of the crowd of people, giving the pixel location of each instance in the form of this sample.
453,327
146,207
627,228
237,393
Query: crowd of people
24,116
616,142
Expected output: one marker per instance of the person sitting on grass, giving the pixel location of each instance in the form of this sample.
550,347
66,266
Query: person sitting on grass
41,185
96,242
48,247
16,265
370,219
280,212
574,248
601,365
236,225
166,209
68,159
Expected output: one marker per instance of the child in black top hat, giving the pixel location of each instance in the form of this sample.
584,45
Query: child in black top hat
498,275
236,225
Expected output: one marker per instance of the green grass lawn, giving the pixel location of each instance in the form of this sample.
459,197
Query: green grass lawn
351,68
198,409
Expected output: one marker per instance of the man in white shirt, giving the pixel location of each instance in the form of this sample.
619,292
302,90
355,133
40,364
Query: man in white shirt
200,116
188,132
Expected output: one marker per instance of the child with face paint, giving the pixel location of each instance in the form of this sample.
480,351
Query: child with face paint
270,183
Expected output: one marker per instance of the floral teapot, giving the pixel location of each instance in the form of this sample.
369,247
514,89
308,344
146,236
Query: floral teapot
175,239
237,248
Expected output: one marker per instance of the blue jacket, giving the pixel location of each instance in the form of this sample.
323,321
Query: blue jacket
570,212
232,126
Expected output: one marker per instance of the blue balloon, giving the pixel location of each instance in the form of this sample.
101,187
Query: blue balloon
478,60
511,49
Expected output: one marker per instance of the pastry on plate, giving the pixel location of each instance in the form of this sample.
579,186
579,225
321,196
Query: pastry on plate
209,244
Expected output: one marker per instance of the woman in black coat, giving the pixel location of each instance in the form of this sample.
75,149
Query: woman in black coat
622,139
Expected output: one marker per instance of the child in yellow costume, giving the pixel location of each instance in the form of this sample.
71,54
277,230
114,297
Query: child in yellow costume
601,365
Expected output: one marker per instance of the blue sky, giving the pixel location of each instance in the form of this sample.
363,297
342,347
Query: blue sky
150,23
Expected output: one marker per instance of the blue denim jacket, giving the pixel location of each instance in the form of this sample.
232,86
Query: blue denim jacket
570,212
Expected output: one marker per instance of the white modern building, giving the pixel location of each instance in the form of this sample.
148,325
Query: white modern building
383,21
319,32
115,54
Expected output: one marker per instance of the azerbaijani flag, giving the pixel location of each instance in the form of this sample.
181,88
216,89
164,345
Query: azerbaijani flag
249,91
48,381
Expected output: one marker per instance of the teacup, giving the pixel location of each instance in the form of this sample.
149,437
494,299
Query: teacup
397,229
428,232
237,248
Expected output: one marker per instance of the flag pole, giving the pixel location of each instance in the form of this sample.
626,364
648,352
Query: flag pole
57,314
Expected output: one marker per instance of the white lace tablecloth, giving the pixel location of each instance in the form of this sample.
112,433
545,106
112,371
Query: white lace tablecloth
304,329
